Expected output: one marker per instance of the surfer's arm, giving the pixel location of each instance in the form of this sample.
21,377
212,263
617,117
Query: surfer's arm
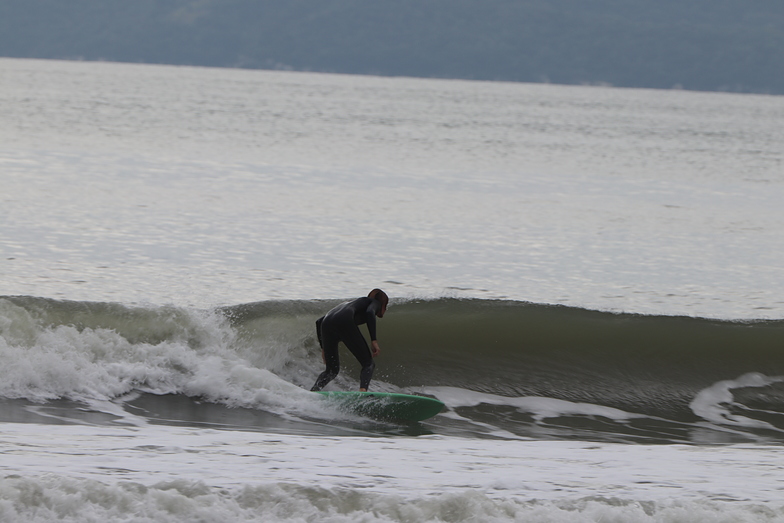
370,320
318,332
318,335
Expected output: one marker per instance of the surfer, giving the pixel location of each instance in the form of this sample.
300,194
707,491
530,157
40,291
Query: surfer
342,324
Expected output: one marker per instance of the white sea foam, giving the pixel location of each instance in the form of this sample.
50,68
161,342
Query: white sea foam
69,500
100,364
715,402
173,474
540,408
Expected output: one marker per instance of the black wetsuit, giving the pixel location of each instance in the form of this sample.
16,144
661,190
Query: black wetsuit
342,324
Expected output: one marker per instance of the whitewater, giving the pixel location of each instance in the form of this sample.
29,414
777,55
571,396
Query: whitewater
589,278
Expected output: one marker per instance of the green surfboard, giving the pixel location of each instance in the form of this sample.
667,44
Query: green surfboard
385,405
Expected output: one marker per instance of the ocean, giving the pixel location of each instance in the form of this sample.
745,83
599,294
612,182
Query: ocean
588,277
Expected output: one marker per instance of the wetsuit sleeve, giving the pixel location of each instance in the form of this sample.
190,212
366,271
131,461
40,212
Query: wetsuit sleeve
318,331
370,319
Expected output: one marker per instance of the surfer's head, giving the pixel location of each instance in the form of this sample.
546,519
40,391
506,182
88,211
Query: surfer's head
381,296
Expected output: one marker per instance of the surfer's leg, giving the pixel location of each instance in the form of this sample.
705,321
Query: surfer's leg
366,374
359,348
330,347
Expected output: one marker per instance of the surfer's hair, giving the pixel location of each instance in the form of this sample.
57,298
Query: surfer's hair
378,294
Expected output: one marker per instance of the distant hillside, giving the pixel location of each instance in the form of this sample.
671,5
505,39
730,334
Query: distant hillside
734,45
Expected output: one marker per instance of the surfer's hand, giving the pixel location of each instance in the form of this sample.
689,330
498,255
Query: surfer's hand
375,350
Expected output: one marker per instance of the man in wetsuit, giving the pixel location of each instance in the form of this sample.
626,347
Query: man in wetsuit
342,324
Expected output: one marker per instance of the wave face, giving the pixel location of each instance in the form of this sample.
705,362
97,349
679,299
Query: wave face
504,369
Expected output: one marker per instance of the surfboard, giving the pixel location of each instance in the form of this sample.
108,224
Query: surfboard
385,405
